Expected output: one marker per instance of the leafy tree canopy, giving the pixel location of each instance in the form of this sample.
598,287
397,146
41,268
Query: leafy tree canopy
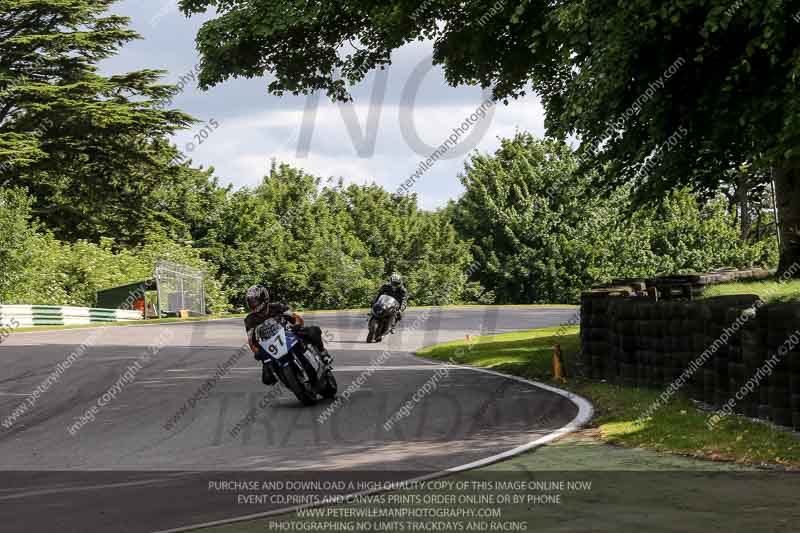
543,236
665,93
90,148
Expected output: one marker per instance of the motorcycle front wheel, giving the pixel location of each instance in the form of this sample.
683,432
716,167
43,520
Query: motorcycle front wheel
298,385
329,386
383,329
373,324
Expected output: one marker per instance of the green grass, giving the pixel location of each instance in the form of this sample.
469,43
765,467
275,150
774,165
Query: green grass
769,291
677,427
524,353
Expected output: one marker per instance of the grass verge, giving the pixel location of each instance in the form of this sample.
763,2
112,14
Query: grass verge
678,427
769,291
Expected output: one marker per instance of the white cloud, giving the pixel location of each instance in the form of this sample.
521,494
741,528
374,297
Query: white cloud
243,146
256,127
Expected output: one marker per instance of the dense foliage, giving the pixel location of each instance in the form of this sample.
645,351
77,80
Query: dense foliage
528,229
331,246
90,148
39,269
660,93
543,234
92,193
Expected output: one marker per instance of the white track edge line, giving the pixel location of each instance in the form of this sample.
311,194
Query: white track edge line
584,415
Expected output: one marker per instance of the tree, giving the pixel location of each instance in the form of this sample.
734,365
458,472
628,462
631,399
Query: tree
18,242
89,148
322,244
543,236
661,93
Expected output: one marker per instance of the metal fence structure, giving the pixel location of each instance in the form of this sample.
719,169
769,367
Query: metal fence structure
180,288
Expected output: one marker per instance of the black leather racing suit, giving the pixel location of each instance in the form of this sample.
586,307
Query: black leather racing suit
310,334
399,293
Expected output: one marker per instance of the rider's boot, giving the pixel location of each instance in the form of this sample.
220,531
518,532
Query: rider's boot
327,360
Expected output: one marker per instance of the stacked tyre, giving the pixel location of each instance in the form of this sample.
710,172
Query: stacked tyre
783,321
625,345
736,369
699,346
586,349
754,353
594,331
722,331
678,340
643,360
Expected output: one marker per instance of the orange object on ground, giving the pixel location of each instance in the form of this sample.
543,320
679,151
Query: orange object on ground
558,363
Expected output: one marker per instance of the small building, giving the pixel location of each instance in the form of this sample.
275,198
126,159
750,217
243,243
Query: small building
175,291
132,296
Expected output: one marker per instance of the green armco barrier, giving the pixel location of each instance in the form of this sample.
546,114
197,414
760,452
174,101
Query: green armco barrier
52,315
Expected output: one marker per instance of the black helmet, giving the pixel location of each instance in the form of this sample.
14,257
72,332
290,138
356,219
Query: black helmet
257,298
395,280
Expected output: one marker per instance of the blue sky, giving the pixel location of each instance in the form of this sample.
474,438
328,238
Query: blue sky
255,127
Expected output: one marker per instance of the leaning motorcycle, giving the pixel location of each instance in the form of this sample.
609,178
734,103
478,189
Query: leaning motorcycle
297,364
382,317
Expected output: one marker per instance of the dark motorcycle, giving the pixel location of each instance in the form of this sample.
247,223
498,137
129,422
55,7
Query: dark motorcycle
382,317
297,364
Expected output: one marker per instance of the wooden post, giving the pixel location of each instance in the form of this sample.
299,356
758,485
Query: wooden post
558,363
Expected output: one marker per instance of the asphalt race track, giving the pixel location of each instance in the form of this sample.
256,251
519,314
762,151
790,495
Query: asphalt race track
143,460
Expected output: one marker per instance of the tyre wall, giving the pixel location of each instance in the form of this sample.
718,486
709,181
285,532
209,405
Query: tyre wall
724,348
